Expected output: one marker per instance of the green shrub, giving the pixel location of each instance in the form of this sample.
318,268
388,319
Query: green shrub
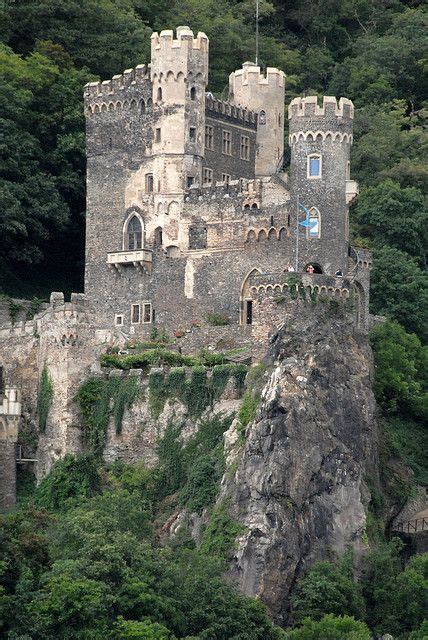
70,480
330,628
248,409
217,319
44,398
219,536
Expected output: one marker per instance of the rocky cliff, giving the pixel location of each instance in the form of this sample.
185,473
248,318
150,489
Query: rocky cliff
299,486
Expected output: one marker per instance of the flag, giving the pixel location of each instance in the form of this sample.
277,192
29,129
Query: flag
307,223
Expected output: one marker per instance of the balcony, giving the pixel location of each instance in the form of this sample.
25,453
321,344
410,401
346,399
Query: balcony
139,258
351,190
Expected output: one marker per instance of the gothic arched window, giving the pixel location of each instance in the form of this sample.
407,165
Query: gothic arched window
134,234
314,229
193,93
159,94
262,117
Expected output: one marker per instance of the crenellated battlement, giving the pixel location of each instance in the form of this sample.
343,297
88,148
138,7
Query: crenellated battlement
308,107
251,74
233,189
185,39
227,110
119,83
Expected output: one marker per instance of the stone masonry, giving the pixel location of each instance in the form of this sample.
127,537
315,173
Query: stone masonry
189,215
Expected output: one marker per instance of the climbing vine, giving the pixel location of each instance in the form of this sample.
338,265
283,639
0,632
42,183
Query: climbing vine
100,399
197,392
44,398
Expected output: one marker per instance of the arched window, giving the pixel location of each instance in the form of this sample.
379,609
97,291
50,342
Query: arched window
159,94
142,106
262,117
158,237
193,93
314,165
314,229
134,234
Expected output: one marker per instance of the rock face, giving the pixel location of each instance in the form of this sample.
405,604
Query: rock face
299,482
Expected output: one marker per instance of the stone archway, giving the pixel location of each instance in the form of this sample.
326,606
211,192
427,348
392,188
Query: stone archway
246,299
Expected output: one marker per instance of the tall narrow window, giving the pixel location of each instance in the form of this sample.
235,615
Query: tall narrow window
249,312
159,94
190,180
225,177
245,148
147,312
192,134
209,137
158,237
314,166
227,143
262,117
314,229
135,314
207,176
348,170
149,183
193,93
158,134
135,234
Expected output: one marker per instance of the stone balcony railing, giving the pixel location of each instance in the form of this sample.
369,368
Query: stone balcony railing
351,190
139,258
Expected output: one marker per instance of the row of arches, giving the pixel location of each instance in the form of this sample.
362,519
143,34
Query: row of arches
173,76
262,235
253,205
272,289
142,106
321,136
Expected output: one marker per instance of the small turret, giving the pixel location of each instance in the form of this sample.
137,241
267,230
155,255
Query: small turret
263,93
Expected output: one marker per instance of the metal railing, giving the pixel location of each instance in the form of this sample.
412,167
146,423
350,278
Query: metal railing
412,526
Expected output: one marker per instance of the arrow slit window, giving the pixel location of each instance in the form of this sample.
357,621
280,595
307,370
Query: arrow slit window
314,166
314,229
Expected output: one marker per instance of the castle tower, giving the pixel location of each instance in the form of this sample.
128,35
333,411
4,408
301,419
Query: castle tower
320,140
251,89
179,73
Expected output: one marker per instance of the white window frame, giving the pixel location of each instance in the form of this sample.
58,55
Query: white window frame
226,178
145,303
314,213
133,305
117,317
313,156
245,148
207,176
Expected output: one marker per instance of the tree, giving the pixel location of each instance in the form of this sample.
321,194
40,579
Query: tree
394,216
399,289
328,588
330,628
401,370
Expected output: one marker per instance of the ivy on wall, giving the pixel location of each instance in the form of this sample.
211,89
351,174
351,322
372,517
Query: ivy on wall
44,398
196,393
100,399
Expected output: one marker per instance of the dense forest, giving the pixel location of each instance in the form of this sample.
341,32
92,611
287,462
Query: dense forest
83,556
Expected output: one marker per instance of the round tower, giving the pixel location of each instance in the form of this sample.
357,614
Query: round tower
179,74
263,93
320,138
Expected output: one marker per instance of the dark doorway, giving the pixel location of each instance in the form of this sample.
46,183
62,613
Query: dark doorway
249,312
313,267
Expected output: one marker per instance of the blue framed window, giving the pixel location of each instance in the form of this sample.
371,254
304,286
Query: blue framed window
314,166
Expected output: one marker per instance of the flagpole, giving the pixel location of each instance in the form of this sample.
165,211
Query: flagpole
257,32
297,235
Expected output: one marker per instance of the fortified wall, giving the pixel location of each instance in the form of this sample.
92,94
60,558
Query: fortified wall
191,222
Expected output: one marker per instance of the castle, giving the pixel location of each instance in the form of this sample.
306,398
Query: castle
190,217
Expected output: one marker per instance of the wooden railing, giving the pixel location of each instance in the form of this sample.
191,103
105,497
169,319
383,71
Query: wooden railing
412,526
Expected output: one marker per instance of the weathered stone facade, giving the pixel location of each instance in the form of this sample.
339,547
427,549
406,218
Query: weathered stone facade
189,216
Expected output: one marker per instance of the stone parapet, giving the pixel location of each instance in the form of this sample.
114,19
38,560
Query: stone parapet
226,110
308,106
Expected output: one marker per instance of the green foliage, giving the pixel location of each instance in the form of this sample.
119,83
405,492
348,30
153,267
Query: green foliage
34,307
328,588
194,470
99,399
407,440
330,627
217,319
44,397
71,480
401,370
248,408
220,534
395,598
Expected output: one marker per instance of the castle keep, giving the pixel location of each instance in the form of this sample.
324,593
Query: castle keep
190,216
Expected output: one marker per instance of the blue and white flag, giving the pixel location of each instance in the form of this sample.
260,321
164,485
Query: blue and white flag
308,223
